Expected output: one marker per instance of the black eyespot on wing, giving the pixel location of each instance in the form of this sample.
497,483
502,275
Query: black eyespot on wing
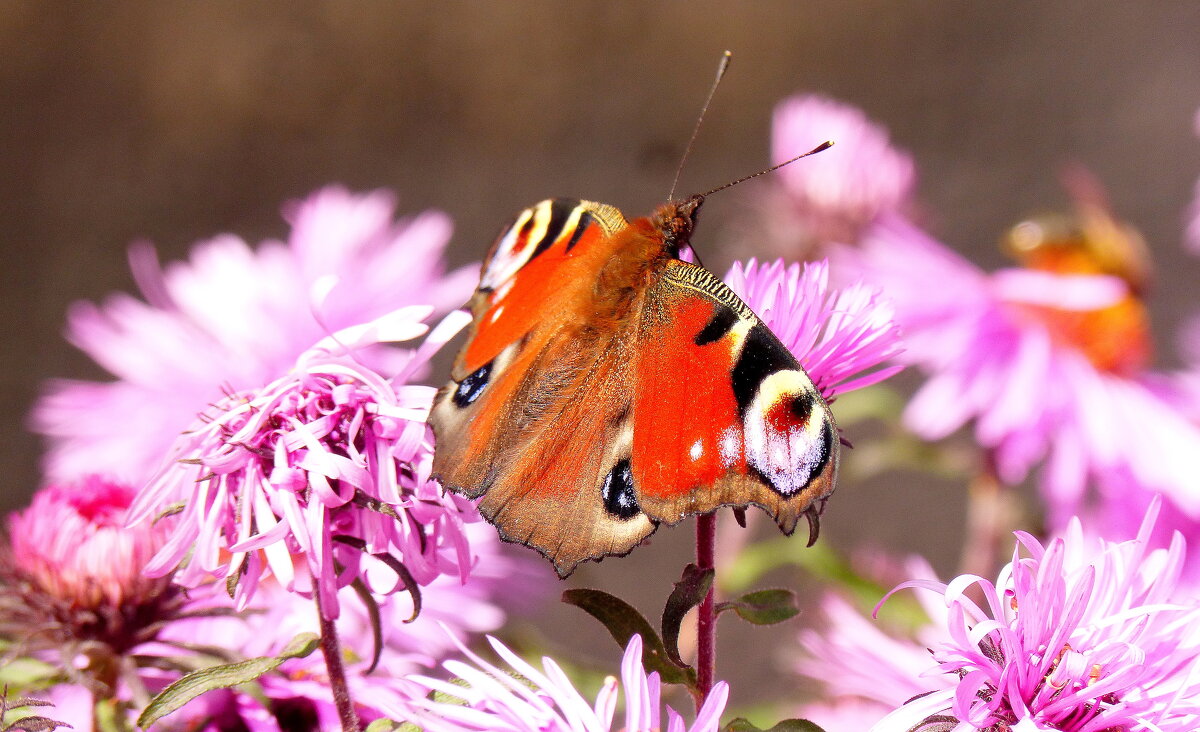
802,406
585,220
471,387
617,492
762,355
722,321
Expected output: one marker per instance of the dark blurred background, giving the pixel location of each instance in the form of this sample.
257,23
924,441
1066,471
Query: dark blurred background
176,121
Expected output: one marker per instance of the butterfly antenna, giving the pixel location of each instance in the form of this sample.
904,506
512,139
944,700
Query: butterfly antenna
722,67
823,146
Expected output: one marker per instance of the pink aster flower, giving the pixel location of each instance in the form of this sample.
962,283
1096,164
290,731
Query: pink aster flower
73,545
71,574
234,318
863,670
1076,635
857,179
1048,365
73,596
836,334
327,467
546,700
828,198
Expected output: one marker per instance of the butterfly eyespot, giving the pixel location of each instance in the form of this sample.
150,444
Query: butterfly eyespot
472,386
617,492
784,444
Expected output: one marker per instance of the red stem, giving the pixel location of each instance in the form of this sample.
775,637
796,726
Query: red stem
706,621
331,649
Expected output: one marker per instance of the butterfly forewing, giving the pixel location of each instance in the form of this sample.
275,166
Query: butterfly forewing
535,415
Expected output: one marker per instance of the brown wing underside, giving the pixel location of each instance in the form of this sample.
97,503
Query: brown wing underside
538,445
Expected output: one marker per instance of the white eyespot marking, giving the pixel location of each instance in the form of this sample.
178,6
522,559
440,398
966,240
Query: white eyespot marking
731,447
786,448
496,314
697,450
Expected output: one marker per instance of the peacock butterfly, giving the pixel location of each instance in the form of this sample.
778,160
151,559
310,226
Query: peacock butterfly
608,386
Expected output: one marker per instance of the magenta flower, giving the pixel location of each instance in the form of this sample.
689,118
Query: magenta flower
835,334
1076,635
235,318
865,671
829,198
73,596
328,466
1046,364
859,178
547,701
73,545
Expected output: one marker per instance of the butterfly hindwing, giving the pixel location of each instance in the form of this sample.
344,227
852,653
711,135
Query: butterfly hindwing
723,412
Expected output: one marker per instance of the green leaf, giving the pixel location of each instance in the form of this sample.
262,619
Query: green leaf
763,607
788,725
25,701
622,621
689,591
27,673
222,677
383,725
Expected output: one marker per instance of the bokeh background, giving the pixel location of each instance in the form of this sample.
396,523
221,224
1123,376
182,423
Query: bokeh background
175,121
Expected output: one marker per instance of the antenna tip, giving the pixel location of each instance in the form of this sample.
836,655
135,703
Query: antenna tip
723,66
823,146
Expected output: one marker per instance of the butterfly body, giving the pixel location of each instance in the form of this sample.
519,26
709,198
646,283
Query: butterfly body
607,386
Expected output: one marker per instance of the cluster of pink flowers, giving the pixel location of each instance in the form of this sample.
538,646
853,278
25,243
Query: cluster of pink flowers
1077,634
1048,361
271,435
330,463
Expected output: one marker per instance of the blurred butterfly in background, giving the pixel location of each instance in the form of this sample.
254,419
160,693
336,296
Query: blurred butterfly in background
608,386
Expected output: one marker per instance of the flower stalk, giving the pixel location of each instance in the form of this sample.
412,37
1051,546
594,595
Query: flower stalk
332,651
706,621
